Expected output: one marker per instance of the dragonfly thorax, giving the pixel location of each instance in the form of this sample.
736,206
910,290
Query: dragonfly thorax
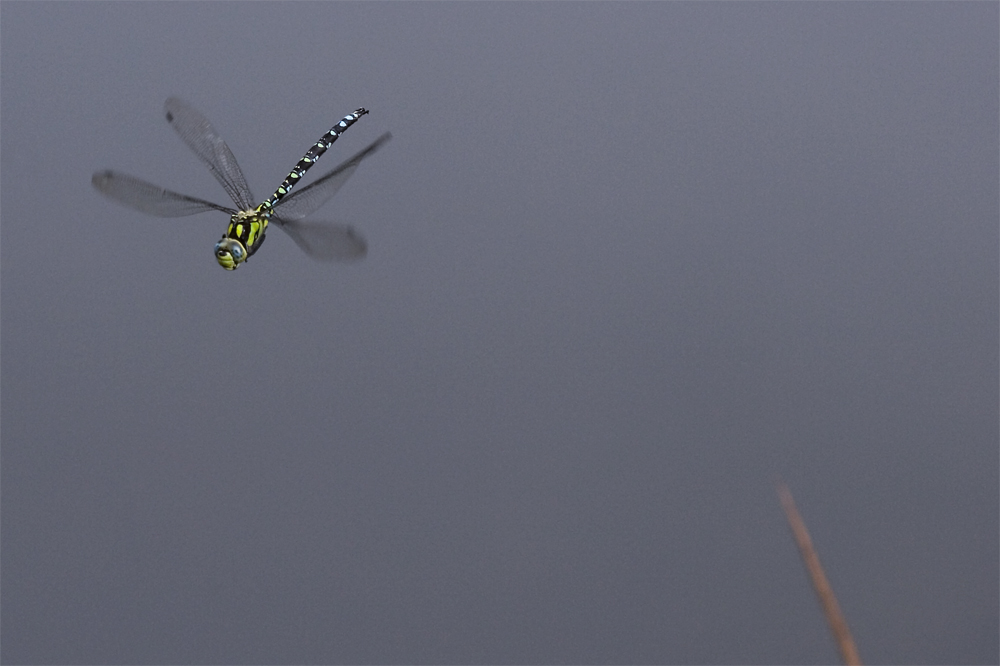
243,237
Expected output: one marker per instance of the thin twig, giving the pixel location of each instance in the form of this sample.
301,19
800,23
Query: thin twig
841,634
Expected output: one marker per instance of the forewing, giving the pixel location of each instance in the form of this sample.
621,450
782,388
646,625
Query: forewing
307,200
324,241
148,198
195,130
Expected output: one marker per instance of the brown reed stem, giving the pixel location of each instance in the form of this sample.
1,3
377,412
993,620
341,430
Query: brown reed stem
841,634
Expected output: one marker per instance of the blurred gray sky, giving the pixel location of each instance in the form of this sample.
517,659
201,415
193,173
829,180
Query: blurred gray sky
628,263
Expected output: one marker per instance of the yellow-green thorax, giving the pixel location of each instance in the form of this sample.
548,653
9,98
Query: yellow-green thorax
243,237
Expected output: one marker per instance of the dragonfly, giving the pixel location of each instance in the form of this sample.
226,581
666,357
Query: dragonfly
248,223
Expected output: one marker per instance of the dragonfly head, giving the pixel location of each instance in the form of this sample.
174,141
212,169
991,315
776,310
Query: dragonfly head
230,253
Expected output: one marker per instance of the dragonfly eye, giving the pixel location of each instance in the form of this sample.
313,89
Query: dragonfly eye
230,253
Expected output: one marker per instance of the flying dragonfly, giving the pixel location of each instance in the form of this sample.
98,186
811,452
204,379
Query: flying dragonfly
248,223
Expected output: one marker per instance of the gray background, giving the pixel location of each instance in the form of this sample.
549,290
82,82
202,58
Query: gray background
628,263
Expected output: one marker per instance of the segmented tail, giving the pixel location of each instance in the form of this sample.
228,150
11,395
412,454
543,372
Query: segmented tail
310,158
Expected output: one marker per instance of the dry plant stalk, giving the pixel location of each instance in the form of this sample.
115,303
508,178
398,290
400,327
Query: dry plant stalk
841,634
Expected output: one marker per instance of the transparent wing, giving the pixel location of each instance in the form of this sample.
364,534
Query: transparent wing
324,241
195,130
307,200
148,198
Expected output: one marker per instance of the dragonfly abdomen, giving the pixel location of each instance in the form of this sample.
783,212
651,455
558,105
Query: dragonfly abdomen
310,158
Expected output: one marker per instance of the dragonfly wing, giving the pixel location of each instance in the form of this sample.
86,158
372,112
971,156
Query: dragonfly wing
199,135
148,198
307,200
324,241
